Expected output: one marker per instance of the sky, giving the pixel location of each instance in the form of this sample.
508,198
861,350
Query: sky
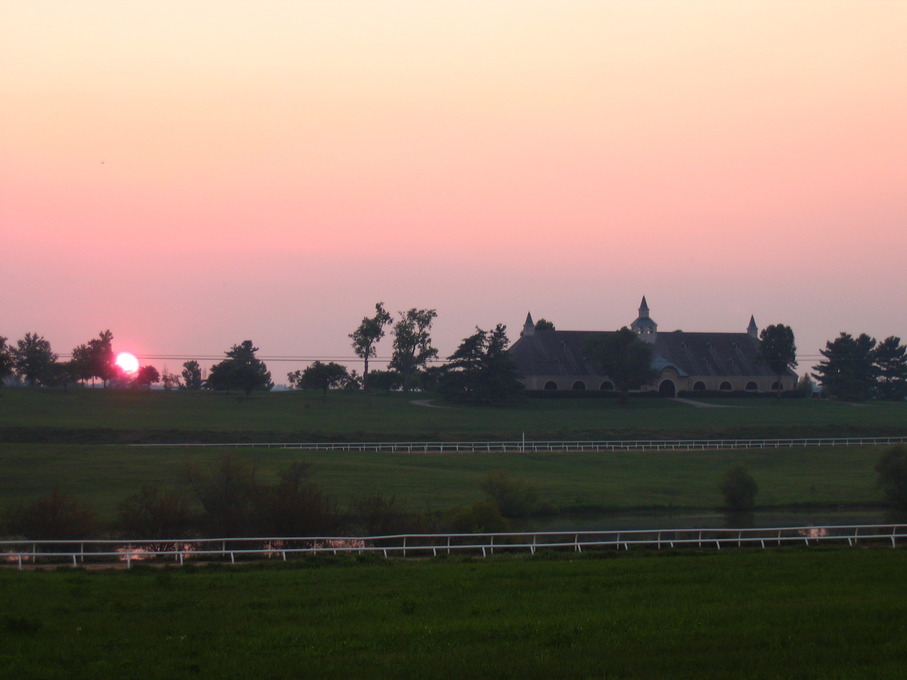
193,174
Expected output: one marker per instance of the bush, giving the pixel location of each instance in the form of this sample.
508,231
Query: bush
513,496
739,490
478,518
154,514
55,516
892,471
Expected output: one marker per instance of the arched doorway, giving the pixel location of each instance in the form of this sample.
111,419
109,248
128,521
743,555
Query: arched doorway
667,389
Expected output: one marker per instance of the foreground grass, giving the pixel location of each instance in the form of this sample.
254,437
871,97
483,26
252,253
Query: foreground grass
105,475
838,613
110,415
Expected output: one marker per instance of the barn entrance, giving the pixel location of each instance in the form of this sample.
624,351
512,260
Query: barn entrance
667,389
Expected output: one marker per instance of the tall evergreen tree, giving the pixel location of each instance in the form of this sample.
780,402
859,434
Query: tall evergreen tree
848,370
481,370
6,360
890,358
778,350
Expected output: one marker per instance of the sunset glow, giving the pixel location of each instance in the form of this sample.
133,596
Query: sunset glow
127,363
191,175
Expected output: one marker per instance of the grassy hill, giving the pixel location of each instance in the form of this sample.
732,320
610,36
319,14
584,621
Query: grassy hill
97,416
75,443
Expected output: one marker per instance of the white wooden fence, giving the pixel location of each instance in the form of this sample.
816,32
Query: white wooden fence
533,446
24,554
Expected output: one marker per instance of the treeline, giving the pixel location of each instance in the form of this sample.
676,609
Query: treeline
479,371
229,500
859,368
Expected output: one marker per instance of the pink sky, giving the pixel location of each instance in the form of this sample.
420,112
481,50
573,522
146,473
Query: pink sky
193,174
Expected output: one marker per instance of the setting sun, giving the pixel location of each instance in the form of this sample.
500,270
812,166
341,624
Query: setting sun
127,362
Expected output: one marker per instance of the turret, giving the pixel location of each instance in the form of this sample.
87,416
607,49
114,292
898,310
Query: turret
644,327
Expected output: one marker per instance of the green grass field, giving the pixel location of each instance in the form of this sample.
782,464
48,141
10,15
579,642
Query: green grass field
116,415
807,613
105,475
52,440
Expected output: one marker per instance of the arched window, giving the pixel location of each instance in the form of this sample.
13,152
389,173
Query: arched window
699,386
751,386
607,386
667,389
579,385
550,385
725,386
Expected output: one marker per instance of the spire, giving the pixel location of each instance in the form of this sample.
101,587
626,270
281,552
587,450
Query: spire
529,326
643,309
752,330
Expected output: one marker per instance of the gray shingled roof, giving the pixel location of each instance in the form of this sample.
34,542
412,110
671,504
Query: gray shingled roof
701,354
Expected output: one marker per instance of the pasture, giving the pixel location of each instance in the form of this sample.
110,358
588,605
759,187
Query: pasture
75,442
426,483
109,416
805,613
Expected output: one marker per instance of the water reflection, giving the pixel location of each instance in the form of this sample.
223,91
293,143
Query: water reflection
699,520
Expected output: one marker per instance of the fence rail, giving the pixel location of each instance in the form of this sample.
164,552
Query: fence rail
232,550
527,446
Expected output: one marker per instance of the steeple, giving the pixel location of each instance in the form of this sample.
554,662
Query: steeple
753,330
529,326
644,327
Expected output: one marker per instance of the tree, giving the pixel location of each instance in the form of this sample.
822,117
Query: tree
6,360
777,350
367,335
170,381
412,343
513,496
623,357
241,370
228,494
155,514
739,489
61,374
33,359
481,371
892,472
96,359
319,376
56,515
192,376
146,376
848,371
890,358
294,506
544,325
385,380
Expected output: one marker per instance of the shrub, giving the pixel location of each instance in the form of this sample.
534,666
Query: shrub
513,495
54,516
892,471
478,518
739,489
154,514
